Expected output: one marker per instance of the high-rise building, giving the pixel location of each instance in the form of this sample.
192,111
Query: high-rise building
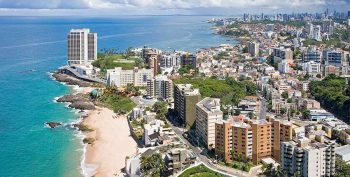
270,27
312,55
82,46
281,131
308,159
250,138
310,30
233,137
317,33
282,53
185,100
333,57
120,78
160,87
189,60
261,130
253,48
207,113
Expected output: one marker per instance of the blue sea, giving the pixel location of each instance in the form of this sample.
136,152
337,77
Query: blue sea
31,47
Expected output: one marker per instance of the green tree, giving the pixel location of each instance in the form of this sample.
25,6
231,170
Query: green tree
342,169
152,166
283,111
285,95
161,108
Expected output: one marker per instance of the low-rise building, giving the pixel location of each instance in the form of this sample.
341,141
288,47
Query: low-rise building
152,133
121,78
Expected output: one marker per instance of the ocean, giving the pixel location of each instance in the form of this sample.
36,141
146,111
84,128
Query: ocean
31,47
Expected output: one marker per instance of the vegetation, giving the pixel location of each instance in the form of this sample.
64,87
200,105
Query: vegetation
230,91
84,128
333,41
269,170
342,169
334,94
118,103
185,70
109,60
200,171
221,55
152,166
161,108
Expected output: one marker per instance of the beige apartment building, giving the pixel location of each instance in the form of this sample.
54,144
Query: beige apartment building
120,78
281,131
207,114
261,140
233,137
82,46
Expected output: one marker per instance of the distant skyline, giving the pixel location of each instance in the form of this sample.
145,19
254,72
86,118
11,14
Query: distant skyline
165,7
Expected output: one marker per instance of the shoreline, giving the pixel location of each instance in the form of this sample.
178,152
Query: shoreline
105,157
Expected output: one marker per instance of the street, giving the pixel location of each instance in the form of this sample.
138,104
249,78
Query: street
206,161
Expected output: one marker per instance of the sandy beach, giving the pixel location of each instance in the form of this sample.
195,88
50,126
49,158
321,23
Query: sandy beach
112,145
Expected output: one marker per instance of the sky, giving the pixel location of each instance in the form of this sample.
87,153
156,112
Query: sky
165,7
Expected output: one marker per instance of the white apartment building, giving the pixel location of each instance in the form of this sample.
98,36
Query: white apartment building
283,67
308,159
207,113
253,48
152,131
82,46
161,87
120,78
170,62
312,67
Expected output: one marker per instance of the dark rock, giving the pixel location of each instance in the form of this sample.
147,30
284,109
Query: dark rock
73,98
82,105
53,124
70,80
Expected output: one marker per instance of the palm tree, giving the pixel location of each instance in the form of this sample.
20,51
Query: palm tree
279,172
152,165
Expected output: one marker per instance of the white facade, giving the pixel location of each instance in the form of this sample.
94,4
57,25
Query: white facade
207,113
82,46
160,87
283,67
312,67
155,126
120,78
309,160
253,48
170,62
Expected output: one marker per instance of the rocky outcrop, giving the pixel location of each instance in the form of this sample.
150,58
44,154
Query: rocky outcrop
78,101
83,105
70,80
53,124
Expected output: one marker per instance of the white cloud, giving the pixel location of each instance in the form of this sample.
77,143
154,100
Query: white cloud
68,4
171,5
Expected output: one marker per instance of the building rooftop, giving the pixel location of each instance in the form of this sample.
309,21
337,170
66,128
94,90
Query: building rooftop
210,104
344,152
187,89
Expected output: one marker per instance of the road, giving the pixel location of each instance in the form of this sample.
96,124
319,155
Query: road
263,107
203,158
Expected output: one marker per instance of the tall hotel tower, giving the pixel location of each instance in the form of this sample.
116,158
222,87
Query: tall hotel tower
82,46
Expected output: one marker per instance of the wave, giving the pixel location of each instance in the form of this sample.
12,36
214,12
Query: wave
31,44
